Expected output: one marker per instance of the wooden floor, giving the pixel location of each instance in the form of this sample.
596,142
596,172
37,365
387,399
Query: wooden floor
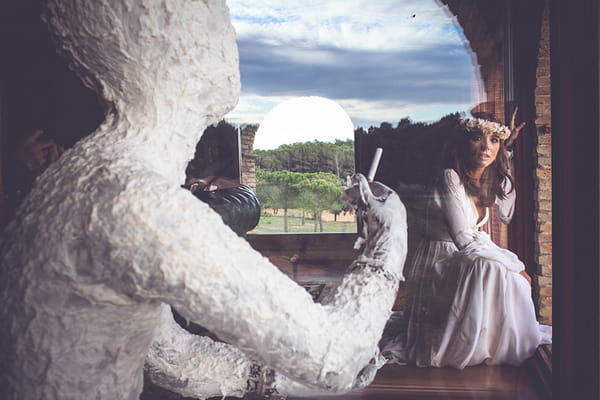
394,382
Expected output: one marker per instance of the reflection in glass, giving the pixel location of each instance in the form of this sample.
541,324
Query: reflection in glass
381,62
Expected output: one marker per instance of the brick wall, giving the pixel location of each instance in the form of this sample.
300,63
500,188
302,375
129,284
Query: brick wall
247,141
543,175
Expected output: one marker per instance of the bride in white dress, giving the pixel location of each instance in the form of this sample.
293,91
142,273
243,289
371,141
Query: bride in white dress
468,301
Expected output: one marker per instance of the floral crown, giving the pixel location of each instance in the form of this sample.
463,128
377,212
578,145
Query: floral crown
486,126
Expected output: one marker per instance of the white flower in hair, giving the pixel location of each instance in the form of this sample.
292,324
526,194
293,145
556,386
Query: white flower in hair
486,126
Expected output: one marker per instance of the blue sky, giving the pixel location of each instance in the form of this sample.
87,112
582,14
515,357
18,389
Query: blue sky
381,60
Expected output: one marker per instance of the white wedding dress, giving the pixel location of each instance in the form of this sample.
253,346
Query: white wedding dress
466,302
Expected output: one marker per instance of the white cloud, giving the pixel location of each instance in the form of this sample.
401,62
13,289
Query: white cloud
252,109
367,113
380,60
358,24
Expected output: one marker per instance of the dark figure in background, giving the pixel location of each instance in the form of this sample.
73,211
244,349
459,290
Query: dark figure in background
44,107
31,156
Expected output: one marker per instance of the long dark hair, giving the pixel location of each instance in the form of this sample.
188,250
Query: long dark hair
491,182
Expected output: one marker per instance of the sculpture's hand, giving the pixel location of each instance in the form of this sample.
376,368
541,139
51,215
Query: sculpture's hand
526,276
383,219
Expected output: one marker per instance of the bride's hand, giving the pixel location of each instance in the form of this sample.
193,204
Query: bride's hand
526,276
515,129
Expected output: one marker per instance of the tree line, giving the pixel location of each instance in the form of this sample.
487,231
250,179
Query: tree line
307,176
311,192
413,152
310,157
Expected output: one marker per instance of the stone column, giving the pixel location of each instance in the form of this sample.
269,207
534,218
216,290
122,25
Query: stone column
248,157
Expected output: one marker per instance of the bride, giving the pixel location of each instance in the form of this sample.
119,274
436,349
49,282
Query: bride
468,301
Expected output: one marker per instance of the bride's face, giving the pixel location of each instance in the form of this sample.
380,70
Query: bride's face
482,149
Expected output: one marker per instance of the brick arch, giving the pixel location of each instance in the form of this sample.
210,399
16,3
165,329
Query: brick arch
483,29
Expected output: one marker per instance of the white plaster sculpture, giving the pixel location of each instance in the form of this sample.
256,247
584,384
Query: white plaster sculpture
107,238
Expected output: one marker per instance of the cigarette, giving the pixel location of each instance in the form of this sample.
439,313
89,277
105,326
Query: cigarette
374,164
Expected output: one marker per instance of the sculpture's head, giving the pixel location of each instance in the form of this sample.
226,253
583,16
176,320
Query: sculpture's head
131,51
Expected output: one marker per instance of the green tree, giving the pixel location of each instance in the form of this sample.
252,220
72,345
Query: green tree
310,157
318,192
278,190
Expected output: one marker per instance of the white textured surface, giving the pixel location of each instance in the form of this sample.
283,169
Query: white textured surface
107,235
193,365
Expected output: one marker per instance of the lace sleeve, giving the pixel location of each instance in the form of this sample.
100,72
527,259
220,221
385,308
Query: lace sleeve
453,201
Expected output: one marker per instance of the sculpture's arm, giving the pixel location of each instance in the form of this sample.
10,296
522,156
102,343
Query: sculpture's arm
197,366
188,258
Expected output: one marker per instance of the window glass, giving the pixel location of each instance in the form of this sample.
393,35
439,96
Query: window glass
384,63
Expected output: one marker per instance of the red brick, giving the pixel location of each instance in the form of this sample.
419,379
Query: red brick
546,262
546,312
544,237
543,173
546,291
544,140
544,280
545,205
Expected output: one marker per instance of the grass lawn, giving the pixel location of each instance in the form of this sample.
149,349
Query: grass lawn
274,224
